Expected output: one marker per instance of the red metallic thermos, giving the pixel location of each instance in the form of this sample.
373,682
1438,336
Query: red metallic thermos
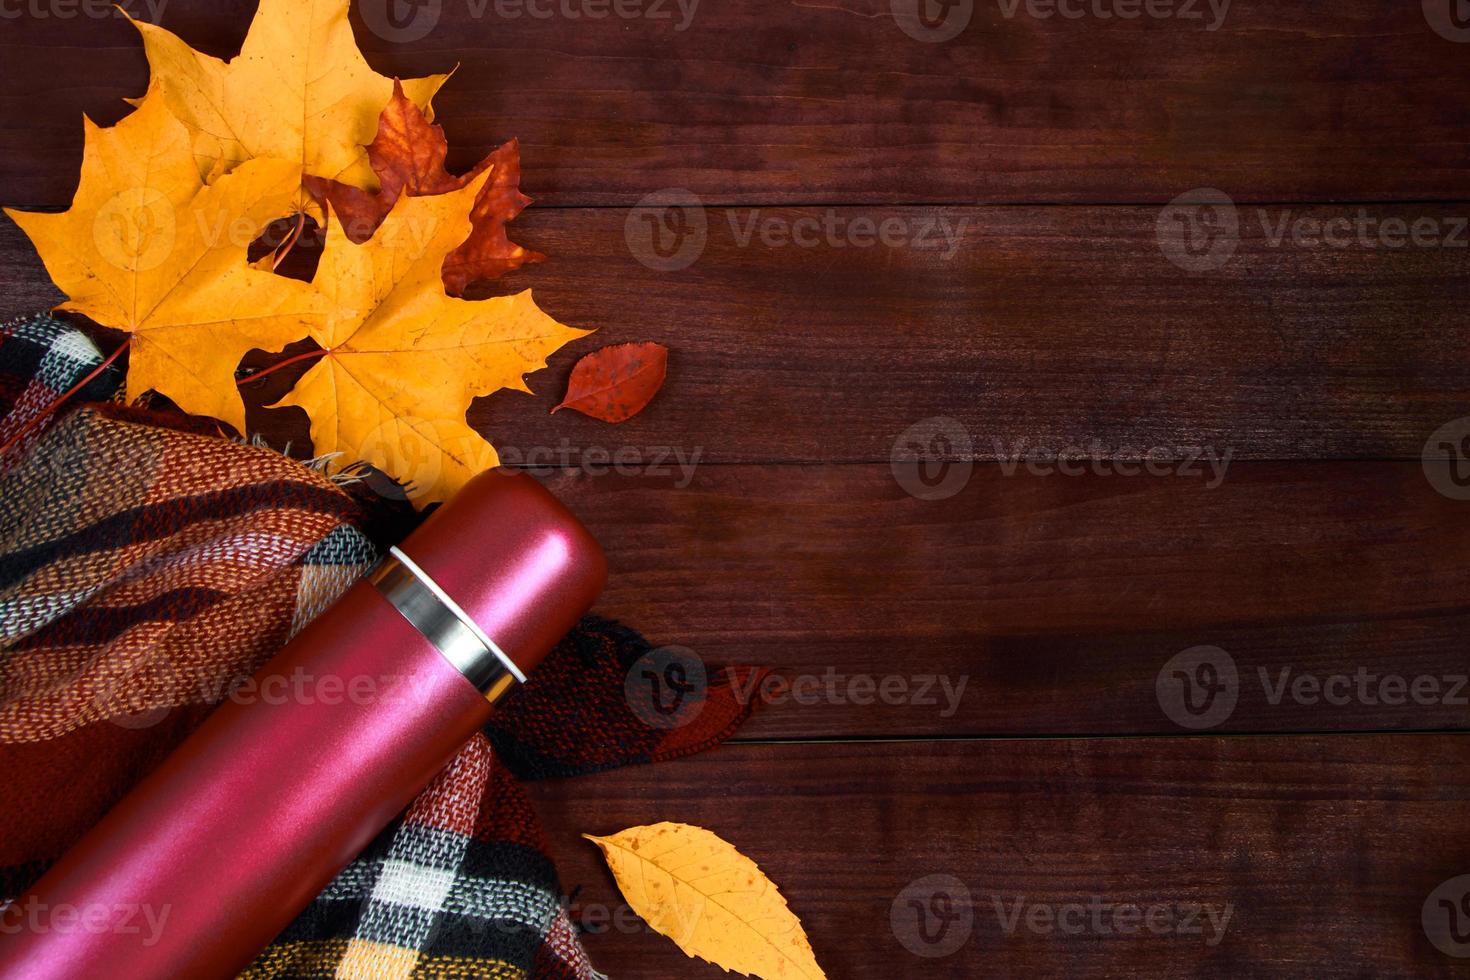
206,860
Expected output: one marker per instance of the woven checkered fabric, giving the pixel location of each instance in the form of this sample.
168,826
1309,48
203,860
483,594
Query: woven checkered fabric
43,358
145,563
461,887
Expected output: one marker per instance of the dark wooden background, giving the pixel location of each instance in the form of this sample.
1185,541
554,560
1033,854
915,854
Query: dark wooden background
1058,320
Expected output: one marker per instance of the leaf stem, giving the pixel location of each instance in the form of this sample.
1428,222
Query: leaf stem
59,400
293,359
290,242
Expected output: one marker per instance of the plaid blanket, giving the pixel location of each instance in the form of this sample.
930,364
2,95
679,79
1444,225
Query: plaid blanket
145,563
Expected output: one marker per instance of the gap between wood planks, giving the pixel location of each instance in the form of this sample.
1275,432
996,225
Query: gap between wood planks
974,205
1101,737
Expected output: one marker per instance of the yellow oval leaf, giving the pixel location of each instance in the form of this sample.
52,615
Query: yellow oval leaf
710,899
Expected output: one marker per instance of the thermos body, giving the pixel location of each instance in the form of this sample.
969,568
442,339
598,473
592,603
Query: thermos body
216,851
213,854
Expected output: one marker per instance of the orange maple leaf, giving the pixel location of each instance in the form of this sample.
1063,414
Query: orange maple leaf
408,155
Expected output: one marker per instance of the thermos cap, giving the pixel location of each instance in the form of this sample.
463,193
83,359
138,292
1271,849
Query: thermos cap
513,560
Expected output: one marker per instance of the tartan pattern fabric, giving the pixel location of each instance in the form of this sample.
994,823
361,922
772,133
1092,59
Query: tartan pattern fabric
461,887
42,359
141,566
146,562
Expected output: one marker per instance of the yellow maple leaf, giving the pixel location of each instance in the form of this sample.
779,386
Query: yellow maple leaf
404,359
299,90
147,248
710,899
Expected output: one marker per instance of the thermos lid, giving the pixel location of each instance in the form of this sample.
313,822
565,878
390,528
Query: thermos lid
513,559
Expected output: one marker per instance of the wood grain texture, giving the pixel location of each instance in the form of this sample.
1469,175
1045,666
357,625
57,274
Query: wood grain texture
757,517
1324,850
1048,328
832,102
1049,604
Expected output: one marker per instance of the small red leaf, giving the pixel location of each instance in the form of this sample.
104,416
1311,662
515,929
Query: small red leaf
613,384
408,156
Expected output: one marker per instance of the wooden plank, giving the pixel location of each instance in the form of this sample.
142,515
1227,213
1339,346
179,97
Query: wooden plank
816,102
1036,604
1055,328
1056,600
1323,851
